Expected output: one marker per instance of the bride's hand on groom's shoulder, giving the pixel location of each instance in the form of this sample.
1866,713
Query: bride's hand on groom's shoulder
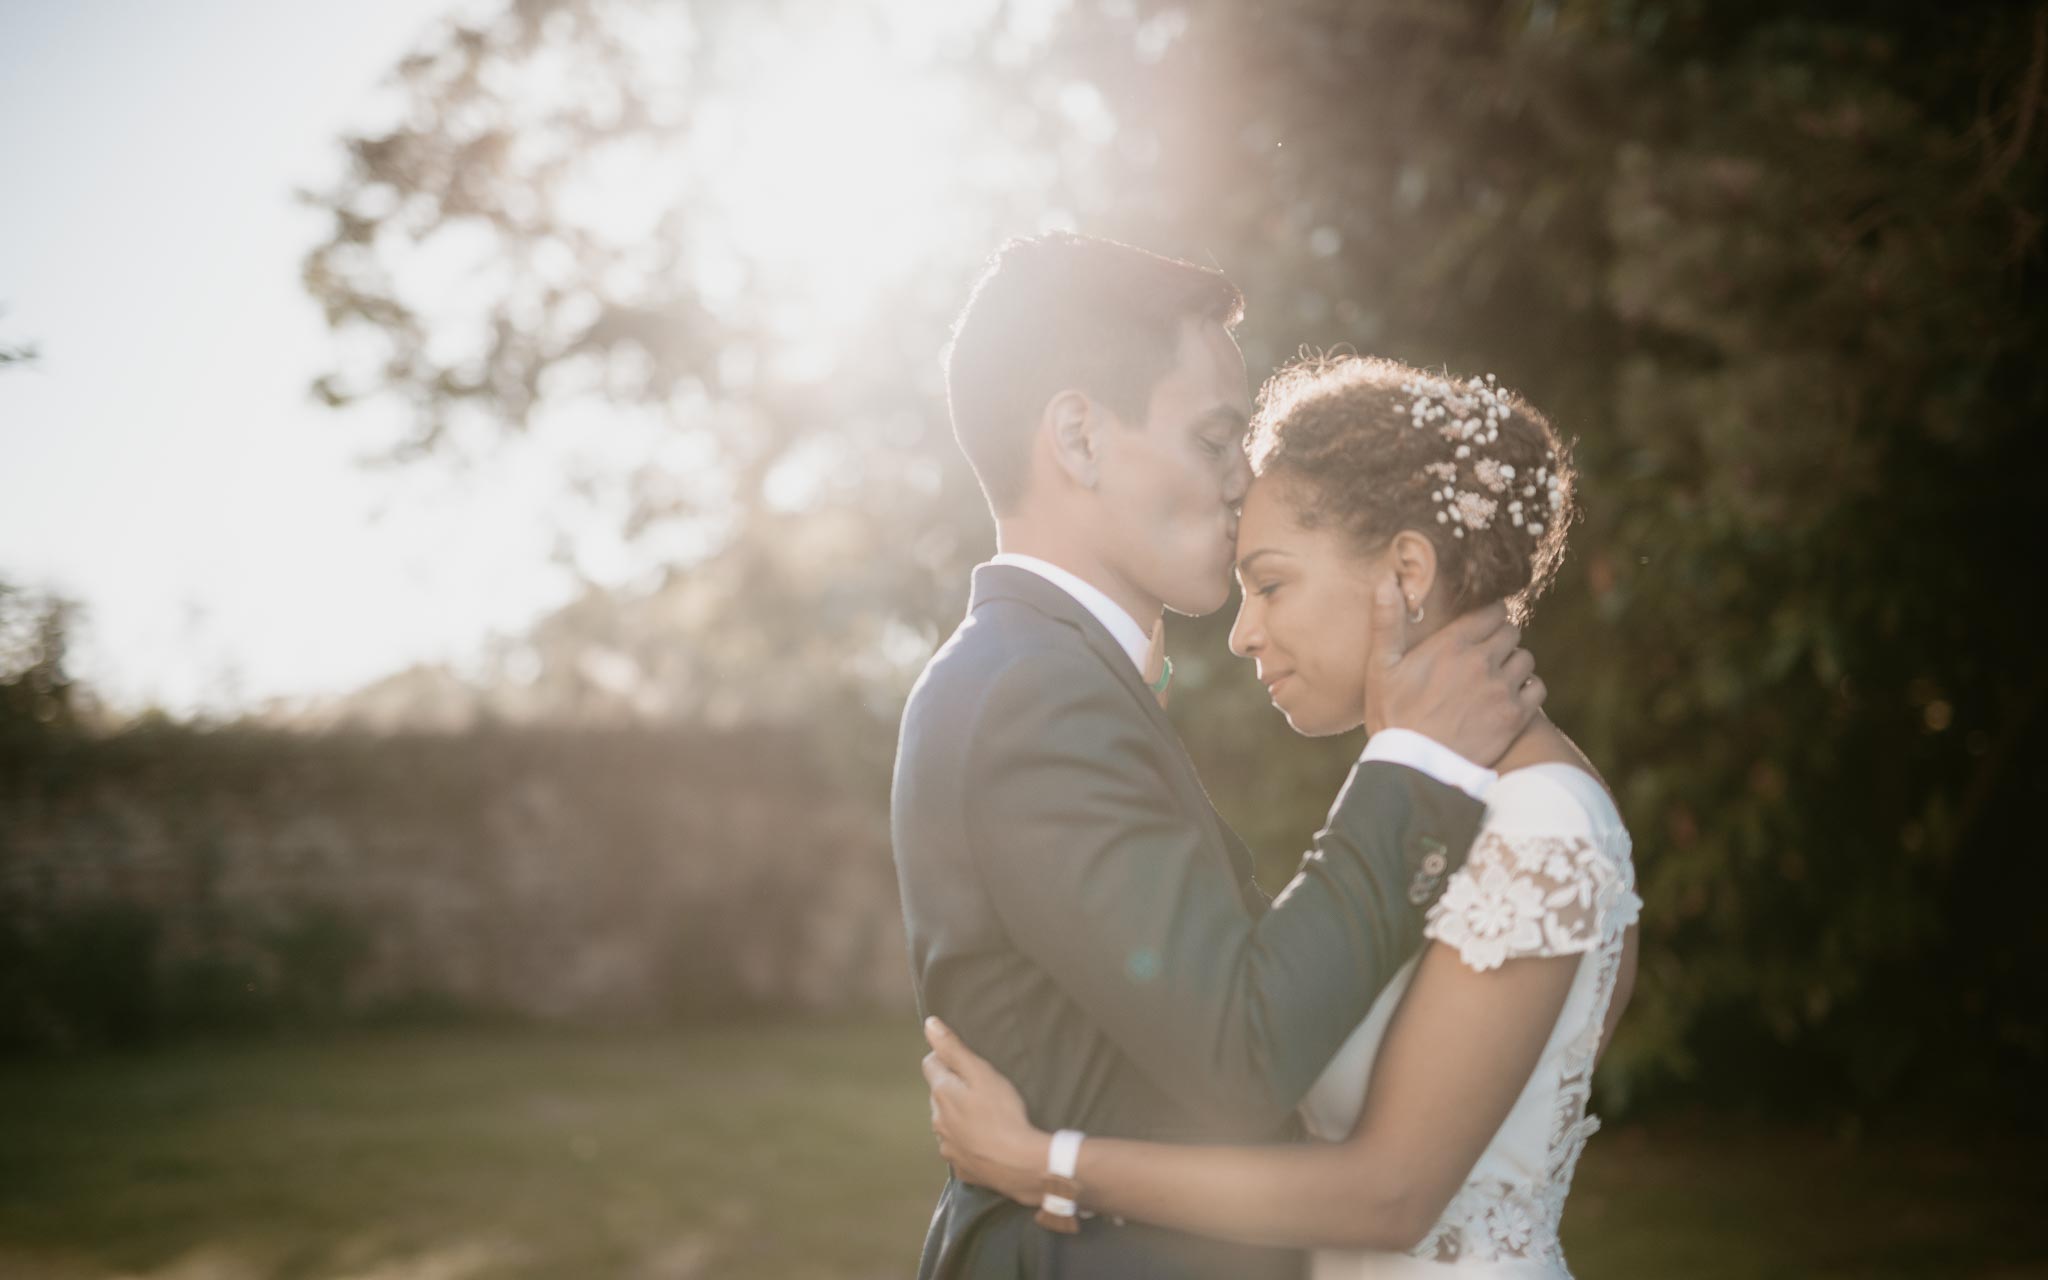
979,1117
1470,686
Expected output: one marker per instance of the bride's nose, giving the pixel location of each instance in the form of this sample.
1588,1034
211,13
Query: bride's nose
1247,637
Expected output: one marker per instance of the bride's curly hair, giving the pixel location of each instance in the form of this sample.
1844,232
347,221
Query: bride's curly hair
1347,431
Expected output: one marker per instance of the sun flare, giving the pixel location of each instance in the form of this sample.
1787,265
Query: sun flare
817,172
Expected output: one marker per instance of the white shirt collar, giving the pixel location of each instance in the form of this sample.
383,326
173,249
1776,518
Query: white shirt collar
1108,612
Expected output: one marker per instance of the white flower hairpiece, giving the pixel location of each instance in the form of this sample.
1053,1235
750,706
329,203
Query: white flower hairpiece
1469,415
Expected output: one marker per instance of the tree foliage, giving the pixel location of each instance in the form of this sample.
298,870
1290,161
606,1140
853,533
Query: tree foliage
1777,269
39,697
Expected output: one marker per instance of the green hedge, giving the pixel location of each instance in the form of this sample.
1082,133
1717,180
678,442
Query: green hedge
173,879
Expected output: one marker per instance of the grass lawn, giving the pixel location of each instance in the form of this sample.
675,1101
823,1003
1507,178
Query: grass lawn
775,1151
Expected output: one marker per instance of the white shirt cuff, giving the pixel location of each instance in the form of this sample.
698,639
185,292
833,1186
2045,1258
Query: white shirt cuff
1427,756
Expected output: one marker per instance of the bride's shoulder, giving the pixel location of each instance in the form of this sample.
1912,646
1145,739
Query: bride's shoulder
1547,783
1547,797
1551,797
1551,861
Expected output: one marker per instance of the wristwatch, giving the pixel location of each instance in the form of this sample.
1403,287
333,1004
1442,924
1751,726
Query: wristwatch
1060,1210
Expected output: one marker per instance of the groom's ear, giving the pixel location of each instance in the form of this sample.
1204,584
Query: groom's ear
1071,422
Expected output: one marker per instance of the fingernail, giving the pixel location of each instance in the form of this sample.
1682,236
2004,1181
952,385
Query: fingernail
934,1026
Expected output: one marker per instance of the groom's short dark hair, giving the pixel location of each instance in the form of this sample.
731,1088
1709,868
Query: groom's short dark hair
1066,312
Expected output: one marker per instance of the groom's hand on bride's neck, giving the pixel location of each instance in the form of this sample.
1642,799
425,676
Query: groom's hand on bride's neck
1470,686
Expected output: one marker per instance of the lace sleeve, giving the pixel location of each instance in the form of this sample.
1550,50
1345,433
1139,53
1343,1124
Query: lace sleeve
1539,881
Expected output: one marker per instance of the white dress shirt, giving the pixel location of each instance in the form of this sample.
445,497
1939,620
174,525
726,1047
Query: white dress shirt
1426,755
1120,625
1417,751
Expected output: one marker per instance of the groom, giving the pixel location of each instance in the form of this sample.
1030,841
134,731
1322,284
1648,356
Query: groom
1076,909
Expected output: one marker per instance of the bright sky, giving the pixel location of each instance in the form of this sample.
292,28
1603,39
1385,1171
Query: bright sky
163,463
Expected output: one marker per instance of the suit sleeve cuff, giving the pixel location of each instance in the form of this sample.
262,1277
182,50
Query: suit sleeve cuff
1429,757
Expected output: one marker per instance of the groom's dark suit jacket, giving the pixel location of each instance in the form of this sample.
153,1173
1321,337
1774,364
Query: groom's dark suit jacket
1079,913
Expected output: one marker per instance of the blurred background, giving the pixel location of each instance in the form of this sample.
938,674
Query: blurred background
475,491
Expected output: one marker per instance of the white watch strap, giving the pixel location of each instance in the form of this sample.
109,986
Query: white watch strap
1065,1155
1061,1159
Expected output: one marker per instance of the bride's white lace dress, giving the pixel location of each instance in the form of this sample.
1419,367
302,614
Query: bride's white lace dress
1549,875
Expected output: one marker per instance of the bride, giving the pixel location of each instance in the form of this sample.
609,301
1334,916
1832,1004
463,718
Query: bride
1450,1121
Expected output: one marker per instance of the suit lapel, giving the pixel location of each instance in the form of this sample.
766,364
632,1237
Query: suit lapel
1002,581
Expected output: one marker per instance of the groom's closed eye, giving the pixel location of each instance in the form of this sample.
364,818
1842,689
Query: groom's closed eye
1224,425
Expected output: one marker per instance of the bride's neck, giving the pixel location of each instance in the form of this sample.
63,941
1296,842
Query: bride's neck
1544,743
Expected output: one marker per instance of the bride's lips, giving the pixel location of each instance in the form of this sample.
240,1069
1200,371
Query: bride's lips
1274,682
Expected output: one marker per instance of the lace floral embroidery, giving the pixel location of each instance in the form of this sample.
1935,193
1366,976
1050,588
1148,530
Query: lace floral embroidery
1531,896
1524,896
